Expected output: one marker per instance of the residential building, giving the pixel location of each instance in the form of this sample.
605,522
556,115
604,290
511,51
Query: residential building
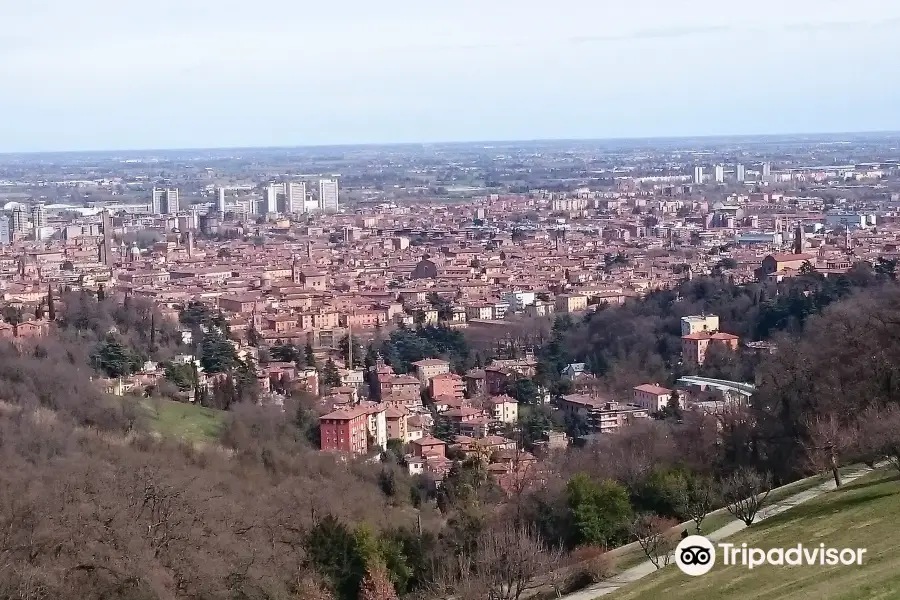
5,232
480,310
345,430
18,219
328,195
651,397
784,264
518,300
740,173
295,197
447,384
569,303
698,175
430,367
504,409
220,200
273,190
397,420
720,174
429,446
695,324
599,413
694,346
164,201
38,220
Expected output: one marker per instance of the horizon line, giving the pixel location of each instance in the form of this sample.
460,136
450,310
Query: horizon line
668,138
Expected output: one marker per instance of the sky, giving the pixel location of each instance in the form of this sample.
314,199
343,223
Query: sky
118,74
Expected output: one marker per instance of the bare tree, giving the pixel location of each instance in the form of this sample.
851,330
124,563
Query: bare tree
878,436
698,498
827,438
656,536
508,561
745,493
376,585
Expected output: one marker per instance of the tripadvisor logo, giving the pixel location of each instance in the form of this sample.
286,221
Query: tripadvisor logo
695,555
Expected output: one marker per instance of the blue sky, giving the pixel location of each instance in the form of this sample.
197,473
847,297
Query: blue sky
111,74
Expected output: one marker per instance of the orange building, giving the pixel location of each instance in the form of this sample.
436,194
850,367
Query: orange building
694,346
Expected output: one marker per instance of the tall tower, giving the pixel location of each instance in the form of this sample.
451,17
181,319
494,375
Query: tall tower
18,219
38,216
272,197
295,197
220,201
720,173
328,195
739,173
164,201
798,239
766,169
5,232
698,175
295,269
107,225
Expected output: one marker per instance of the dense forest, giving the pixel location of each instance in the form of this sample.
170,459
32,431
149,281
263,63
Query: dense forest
95,505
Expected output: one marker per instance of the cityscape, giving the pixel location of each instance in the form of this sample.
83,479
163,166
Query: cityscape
449,301
472,323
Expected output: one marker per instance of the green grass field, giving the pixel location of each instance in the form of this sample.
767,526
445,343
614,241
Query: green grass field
632,555
183,420
864,514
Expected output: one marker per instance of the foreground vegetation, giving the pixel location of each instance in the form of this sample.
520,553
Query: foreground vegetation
95,505
865,514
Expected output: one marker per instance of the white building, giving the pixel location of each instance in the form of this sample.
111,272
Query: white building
720,174
698,175
697,323
271,197
220,200
164,201
651,397
766,170
18,219
740,173
38,219
328,195
295,196
518,300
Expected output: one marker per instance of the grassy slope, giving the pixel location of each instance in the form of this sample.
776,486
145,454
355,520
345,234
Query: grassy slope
632,555
863,515
183,420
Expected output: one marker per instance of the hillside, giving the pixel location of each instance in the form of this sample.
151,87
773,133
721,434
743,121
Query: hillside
183,420
862,515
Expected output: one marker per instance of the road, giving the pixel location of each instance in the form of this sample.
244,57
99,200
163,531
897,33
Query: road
646,568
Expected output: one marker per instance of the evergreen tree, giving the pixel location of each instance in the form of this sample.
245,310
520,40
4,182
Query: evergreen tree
217,355
253,337
51,306
101,293
310,356
330,375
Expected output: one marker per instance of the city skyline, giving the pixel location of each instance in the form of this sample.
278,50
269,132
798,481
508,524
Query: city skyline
508,71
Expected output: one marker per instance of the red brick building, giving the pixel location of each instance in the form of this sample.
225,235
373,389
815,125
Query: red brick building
345,430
